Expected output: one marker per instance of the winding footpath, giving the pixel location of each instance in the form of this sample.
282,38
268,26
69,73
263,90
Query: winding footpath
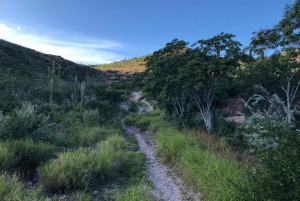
167,186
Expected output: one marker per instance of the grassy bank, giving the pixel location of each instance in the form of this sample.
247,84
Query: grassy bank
216,177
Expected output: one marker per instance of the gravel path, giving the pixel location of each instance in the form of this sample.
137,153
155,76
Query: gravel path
167,185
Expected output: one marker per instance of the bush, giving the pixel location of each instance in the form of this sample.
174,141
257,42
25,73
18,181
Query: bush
21,122
133,107
131,119
13,190
85,166
89,136
115,142
29,154
138,192
276,144
143,124
7,158
91,117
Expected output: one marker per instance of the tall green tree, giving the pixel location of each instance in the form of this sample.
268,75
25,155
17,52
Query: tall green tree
208,69
162,72
190,76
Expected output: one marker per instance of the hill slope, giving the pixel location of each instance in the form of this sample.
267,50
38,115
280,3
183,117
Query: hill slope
125,66
25,63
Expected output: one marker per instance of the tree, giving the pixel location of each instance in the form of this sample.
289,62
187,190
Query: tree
162,72
284,37
208,69
180,75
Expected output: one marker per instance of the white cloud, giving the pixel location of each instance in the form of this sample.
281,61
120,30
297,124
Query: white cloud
77,49
5,31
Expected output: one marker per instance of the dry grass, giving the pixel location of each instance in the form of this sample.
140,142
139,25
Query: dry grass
125,66
221,147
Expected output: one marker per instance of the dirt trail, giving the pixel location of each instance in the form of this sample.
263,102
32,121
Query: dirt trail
167,186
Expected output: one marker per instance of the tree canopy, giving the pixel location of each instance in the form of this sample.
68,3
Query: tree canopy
190,76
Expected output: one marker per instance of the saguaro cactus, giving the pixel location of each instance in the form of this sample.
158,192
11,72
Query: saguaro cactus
82,90
51,90
75,89
58,76
72,98
49,76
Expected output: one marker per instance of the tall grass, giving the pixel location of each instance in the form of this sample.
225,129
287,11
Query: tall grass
216,177
24,155
136,192
80,168
13,190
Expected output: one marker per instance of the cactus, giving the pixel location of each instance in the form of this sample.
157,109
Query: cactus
75,89
72,98
53,69
82,90
51,90
58,76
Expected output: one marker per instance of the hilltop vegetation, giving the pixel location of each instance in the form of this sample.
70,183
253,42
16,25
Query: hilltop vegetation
133,65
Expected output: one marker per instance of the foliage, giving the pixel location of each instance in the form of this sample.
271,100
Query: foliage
7,158
135,192
133,107
13,190
91,117
85,166
276,143
24,156
190,77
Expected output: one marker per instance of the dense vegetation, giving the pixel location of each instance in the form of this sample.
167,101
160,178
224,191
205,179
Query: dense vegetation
192,83
60,132
61,136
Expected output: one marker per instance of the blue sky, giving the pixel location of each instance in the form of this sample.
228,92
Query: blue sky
102,31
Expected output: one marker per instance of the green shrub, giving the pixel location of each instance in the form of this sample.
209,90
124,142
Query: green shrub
21,122
89,136
113,142
131,119
91,117
277,146
75,169
13,190
143,124
29,154
139,192
7,158
132,163
133,107
85,166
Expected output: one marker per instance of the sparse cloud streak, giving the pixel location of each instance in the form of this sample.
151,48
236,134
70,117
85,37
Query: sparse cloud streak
76,48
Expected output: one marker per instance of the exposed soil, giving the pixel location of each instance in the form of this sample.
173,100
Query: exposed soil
167,185
234,111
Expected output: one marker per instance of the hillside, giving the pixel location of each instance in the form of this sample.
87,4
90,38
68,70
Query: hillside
25,63
125,66
21,63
